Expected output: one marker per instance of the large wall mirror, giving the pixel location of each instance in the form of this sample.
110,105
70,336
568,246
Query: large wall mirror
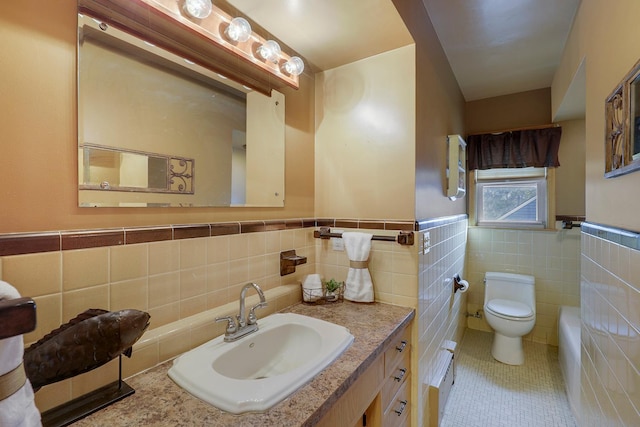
157,130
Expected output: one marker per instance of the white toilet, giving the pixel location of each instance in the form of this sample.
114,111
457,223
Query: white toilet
510,309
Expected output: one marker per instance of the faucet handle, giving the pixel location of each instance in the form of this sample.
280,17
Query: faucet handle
231,325
252,319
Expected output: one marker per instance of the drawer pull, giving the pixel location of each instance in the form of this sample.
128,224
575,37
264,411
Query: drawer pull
403,404
402,346
401,376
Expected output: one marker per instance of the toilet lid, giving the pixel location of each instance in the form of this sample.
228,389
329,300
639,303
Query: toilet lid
509,308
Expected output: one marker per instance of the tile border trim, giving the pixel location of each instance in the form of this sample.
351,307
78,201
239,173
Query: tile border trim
628,238
580,218
436,222
53,241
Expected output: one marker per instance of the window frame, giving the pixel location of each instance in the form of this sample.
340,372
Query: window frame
514,175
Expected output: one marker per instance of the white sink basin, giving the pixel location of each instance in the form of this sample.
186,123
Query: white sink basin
261,369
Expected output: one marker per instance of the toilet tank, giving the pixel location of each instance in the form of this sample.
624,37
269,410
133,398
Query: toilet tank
509,286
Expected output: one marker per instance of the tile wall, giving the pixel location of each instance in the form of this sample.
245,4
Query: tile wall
394,273
552,257
404,275
393,268
610,288
172,280
440,312
184,276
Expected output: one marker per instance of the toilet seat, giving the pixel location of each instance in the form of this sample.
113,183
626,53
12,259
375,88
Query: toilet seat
508,309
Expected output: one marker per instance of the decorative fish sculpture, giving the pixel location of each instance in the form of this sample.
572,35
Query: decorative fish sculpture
86,342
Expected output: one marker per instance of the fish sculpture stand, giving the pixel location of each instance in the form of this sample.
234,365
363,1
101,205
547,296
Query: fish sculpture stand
86,342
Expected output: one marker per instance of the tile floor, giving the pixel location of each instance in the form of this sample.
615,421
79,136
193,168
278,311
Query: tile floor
497,395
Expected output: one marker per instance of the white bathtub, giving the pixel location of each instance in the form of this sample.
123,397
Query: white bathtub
569,354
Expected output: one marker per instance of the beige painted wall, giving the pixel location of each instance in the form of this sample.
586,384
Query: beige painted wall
39,136
400,130
508,111
365,145
610,52
439,112
570,184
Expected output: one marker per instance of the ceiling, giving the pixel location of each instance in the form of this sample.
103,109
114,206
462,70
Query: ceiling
494,47
330,33
498,47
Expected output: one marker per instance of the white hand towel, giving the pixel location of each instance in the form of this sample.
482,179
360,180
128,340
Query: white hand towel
19,409
358,286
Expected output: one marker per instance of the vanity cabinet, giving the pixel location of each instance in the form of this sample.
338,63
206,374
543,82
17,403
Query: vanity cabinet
361,381
381,396
396,390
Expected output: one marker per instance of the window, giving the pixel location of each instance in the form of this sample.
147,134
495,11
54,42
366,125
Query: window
514,198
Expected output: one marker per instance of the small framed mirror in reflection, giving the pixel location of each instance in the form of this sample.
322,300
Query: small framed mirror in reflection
157,130
634,117
120,169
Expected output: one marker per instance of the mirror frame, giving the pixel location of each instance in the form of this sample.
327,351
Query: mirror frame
620,115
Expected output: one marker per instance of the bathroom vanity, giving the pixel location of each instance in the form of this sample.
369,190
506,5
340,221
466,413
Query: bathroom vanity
362,381
385,386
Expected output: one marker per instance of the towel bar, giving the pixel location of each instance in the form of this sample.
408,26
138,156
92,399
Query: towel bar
403,238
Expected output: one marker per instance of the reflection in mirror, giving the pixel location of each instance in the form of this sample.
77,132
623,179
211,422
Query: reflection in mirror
146,118
106,168
635,118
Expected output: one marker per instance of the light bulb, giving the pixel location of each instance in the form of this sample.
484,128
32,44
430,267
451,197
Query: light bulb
199,9
239,30
294,66
270,51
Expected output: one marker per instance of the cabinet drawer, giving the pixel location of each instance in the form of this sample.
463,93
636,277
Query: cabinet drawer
396,351
397,414
396,379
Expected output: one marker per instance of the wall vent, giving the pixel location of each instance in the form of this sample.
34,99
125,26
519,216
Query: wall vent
440,387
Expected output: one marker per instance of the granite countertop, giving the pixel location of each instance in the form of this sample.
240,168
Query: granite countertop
158,401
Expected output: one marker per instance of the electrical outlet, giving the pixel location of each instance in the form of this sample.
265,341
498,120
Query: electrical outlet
336,242
426,243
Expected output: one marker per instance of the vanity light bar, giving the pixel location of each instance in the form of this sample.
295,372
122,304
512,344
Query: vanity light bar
239,31
198,9
186,28
270,51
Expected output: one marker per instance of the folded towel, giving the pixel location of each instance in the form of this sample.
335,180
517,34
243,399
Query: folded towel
358,286
312,288
19,409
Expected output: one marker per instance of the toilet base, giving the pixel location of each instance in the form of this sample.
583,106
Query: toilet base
507,349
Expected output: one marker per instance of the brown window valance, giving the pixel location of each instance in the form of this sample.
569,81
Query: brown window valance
515,149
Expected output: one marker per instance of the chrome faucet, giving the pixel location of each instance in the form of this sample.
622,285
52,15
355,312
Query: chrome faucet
239,327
